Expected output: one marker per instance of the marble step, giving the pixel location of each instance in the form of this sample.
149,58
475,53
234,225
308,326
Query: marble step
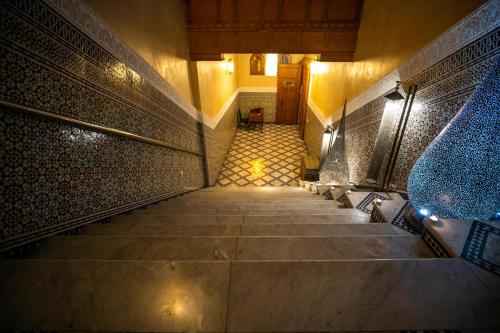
249,195
324,204
301,296
232,248
236,201
253,189
245,212
379,295
345,218
162,230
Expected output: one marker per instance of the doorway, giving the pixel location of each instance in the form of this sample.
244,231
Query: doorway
288,93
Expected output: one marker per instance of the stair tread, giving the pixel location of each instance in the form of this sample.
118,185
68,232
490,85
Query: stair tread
144,229
233,248
247,212
240,219
285,296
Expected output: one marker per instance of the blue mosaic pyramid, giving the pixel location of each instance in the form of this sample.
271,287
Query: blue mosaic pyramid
458,175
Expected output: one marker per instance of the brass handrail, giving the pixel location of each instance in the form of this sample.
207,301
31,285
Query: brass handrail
99,128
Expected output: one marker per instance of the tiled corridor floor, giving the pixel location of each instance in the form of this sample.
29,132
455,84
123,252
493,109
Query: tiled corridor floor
270,158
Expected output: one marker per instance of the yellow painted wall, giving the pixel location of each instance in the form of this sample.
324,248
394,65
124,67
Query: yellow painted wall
215,85
156,30
247,80
390,32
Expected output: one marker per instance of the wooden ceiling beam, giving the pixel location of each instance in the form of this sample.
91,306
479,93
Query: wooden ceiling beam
281,26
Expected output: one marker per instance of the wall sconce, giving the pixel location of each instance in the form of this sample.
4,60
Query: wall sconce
394,95
227,65
271,64
318,68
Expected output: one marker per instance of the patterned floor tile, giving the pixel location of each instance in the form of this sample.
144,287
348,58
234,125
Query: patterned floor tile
268,158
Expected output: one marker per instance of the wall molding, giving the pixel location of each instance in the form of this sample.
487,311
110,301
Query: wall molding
84,18
483,20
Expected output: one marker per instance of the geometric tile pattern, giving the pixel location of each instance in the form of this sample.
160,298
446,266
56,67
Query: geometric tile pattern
55,175
362,206
218,140
264,100
376,217
313,133
442,90
401,222
434,244
482,247
268,158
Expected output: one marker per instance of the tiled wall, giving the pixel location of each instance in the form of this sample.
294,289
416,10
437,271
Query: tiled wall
56,175
442,90
218,141
313,133
265,100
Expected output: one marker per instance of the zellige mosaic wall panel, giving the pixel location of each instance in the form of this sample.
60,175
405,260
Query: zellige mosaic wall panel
313,133
218,141
264,100
56,175
442,90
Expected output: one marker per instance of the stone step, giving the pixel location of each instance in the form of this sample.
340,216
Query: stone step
245,212
249,195
324,204
232,248
273,296
236,201
253,189
162,230
347,218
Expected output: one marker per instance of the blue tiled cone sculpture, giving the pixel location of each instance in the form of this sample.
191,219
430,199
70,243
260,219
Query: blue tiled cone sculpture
458,175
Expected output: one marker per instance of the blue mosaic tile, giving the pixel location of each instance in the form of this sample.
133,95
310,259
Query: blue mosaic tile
458,176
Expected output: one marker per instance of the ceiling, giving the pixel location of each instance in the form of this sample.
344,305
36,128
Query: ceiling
326,27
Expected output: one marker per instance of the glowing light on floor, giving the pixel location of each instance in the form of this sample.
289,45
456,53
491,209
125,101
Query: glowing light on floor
257,169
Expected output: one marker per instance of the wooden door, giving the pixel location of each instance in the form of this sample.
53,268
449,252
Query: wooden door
304,93
288,93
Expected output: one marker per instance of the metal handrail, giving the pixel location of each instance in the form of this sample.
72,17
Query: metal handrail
99,128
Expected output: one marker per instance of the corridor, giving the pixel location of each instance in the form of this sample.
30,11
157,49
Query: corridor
268,158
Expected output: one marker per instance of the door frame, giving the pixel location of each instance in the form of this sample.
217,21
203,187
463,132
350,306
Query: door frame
304,95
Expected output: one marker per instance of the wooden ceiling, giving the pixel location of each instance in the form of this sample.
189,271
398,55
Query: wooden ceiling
326,27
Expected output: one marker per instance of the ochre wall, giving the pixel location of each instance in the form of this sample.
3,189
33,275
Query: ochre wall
390,32
247,80
215,85
156,30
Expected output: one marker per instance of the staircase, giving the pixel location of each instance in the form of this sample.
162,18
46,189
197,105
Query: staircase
249,259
